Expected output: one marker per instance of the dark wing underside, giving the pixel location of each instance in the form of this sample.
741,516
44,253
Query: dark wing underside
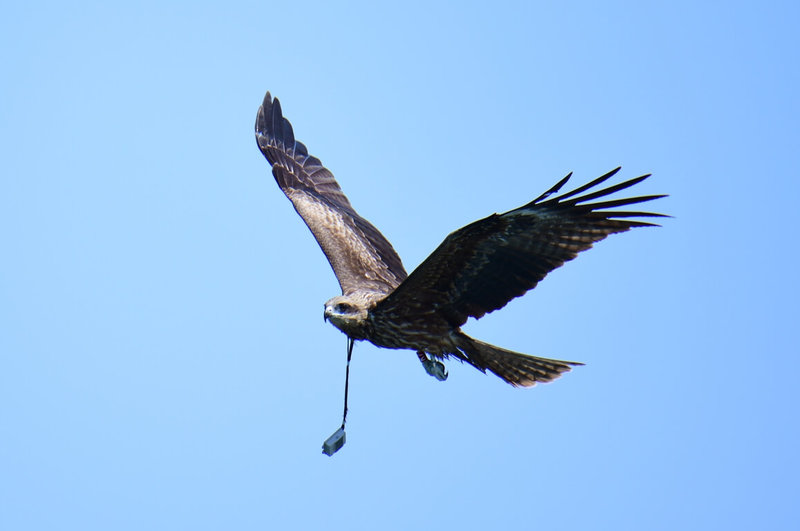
479,268
360,256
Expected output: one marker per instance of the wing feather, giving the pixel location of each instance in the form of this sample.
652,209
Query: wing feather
361,257
480,267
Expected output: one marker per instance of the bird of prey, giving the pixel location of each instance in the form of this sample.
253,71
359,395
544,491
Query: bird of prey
477,269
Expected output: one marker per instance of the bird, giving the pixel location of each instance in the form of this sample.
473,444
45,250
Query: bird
477,269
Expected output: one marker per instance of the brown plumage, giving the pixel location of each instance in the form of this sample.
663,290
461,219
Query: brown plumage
476,270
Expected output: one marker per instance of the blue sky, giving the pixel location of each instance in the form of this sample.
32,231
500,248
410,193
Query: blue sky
164,364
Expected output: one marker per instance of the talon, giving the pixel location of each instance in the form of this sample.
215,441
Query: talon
437,370
433,367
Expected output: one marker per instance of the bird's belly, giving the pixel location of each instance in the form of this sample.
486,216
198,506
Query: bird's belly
411,335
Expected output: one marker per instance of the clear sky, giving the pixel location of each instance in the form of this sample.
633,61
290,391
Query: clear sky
163,359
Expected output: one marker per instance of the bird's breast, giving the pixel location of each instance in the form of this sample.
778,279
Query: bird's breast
415,334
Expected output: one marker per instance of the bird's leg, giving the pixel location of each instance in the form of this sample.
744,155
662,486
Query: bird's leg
432,367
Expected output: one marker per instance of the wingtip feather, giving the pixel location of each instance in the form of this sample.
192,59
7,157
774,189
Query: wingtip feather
587,186
553,189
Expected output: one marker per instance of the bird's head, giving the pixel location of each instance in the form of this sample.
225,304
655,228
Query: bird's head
346,313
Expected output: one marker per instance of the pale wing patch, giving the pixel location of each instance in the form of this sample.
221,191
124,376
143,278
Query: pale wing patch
348,252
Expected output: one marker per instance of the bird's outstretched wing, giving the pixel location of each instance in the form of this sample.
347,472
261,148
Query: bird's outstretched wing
360,256
480,267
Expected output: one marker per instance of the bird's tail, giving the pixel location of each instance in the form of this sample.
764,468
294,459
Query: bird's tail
513,367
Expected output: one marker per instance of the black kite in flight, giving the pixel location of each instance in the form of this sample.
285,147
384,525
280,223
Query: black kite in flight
477,269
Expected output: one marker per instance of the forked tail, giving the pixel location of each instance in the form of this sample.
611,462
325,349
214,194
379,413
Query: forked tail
515,368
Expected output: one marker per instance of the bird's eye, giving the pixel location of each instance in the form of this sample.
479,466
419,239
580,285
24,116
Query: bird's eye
342,307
